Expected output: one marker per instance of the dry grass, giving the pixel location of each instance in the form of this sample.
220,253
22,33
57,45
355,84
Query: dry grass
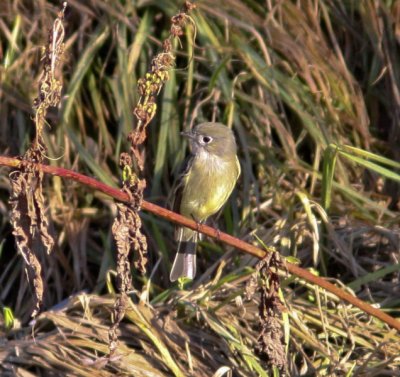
298,81
199,331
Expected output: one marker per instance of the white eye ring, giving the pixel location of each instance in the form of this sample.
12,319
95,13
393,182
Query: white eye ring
206,139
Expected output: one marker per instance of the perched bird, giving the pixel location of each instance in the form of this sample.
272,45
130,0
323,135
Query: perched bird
207,182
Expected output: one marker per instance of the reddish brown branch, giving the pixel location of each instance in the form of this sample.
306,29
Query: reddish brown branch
211,232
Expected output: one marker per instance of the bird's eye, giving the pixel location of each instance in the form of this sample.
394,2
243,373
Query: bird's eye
206,139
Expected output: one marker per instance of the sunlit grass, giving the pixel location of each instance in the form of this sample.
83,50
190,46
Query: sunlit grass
310,90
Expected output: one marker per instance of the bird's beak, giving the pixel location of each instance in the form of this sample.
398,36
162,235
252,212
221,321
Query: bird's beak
188,134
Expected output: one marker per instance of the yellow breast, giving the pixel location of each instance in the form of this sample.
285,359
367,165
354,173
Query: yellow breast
208,185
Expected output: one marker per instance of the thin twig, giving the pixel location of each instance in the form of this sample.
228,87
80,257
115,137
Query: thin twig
211,232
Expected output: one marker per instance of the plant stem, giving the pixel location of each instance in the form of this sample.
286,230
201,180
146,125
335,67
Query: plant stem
209,231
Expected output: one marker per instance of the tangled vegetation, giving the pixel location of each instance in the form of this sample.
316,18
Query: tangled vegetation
312,91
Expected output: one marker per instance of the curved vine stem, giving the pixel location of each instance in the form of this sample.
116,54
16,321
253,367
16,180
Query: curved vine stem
209,231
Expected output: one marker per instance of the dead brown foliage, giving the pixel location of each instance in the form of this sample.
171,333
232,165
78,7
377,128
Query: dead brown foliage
28,217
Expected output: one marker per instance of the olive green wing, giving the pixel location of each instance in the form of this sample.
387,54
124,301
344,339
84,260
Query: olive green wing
180,184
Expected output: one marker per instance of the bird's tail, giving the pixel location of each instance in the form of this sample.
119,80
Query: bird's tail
185,259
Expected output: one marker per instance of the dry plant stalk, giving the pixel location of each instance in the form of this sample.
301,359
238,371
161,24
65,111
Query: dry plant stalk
150,86
227,239
266,280
127,225
28,218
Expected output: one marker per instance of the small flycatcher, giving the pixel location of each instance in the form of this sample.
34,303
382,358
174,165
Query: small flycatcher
206,184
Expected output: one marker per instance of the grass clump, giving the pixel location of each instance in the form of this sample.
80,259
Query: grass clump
311,90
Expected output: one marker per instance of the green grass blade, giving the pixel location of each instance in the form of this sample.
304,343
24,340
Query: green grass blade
329,162
97,40
374,276
371,165
369,155
168,118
